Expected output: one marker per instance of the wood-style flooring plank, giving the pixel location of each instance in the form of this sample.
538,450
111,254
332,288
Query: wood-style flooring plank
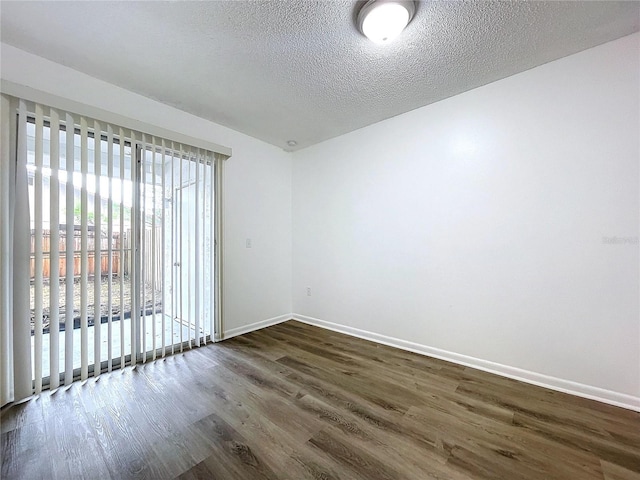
616,472
297,402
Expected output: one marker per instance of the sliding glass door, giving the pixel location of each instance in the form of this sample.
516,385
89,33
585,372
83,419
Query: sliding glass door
177,268
123,227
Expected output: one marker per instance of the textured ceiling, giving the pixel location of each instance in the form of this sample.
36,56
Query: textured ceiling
300,70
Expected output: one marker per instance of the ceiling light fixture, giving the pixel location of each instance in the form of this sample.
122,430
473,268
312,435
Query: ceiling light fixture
383,20
292,143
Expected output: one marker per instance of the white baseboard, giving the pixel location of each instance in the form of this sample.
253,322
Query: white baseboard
234,332
581,390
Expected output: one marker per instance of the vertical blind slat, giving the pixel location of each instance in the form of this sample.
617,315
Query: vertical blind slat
213,255
84,251
174,284
135,253
190,251
219,301
97,242
154,249
37,241
143,246
196,252
110,248
69,253
180,239
165,241
203,299
22,370
54,249
121,253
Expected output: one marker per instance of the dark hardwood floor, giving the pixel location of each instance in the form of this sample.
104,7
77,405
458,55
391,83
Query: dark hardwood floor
297,402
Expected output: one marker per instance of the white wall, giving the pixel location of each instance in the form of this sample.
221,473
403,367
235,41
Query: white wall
475,225
257,185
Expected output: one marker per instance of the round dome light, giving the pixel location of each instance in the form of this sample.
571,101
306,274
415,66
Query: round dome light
383,20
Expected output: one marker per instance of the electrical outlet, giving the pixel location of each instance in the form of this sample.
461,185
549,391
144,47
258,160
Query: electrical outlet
308,291
248,243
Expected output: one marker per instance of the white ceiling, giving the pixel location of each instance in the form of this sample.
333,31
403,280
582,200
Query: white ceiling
281,70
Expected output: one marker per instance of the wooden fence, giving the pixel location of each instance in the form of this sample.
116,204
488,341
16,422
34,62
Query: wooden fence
119,266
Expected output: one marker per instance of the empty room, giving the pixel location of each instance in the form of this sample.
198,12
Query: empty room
340,240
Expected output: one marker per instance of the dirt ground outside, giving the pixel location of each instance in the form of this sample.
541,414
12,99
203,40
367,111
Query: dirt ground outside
104,306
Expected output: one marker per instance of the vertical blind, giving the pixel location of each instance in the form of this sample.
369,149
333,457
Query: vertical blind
122,230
